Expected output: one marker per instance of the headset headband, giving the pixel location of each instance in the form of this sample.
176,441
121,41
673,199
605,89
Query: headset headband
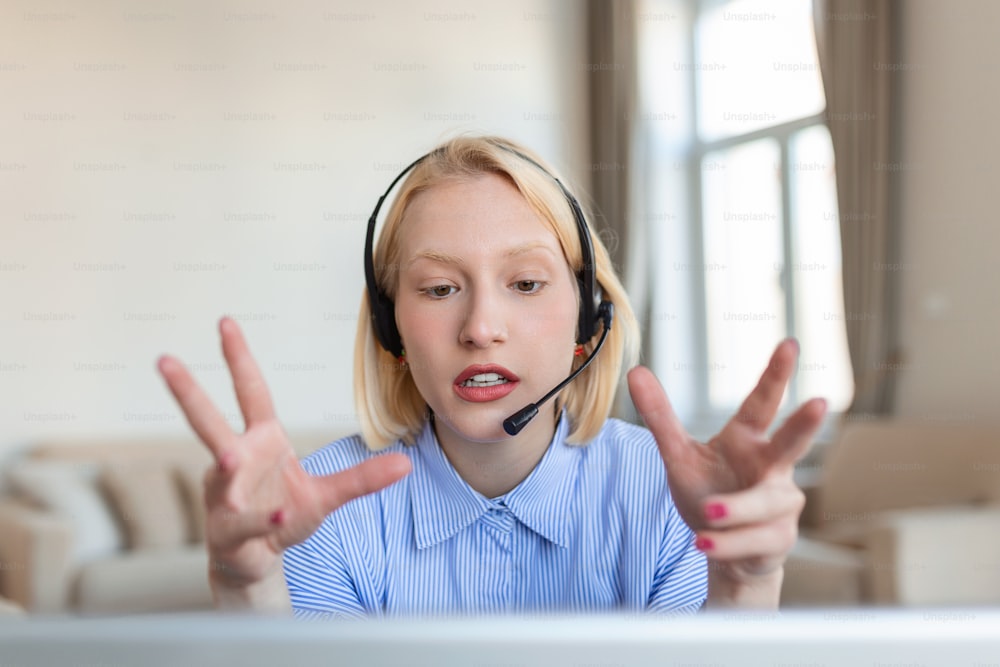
382,308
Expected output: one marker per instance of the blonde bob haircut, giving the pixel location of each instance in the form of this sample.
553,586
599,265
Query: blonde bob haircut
389,406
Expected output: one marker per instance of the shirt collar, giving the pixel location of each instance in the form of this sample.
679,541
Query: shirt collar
443,503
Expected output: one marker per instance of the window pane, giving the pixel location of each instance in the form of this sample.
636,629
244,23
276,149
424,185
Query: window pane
745,311
755,66
824,368
667,126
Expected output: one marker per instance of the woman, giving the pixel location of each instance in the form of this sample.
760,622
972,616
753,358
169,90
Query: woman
481,266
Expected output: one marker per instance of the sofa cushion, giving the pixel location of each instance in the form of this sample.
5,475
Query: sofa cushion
147,499
145,581
940,556
895,464
71,491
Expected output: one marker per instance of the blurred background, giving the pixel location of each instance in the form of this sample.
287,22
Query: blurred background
164,164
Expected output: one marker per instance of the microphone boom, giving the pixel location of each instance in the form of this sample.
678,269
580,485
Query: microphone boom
517,421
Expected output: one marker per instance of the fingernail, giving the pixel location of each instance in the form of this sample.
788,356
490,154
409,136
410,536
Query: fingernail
715,511
277,517
795,342
703,544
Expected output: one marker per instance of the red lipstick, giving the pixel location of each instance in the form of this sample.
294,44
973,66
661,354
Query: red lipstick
483,383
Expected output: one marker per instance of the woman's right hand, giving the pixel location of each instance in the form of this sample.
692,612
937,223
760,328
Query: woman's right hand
259,499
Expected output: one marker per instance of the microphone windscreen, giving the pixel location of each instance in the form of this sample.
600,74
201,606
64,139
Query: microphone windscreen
517,421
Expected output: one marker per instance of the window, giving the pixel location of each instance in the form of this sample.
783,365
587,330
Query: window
740,203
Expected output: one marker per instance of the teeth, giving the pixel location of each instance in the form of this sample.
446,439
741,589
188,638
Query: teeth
485,380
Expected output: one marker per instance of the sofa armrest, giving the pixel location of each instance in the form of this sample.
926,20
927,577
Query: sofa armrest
35,557
935,556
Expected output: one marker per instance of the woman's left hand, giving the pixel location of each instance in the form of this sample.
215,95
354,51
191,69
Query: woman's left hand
736,491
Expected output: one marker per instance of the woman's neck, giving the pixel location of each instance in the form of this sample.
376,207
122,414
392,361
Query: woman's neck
494,468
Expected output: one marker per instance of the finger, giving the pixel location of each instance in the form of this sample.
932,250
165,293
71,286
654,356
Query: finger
204,418
219,477
761,405
654,407
251,389
765,502
768,540
229,529
791,442
367,477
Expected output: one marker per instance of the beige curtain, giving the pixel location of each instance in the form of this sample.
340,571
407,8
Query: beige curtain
612,99
855,41
611,67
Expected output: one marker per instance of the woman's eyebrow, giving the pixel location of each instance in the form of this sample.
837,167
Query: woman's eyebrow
442,257
436,256
526,248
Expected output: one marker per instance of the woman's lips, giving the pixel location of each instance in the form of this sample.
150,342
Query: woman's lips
484,369
483,383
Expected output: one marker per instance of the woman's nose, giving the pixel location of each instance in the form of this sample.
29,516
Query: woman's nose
485,321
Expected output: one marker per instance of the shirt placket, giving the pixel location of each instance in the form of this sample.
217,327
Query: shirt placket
498,526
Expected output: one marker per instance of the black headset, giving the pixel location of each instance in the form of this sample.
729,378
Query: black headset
382,308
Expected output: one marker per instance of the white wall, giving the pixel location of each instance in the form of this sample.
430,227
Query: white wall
161,167
949,176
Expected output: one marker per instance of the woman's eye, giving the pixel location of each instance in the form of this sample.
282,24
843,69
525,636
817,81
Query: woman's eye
527,286
440,291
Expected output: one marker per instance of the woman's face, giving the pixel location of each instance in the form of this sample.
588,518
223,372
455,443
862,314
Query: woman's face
486,306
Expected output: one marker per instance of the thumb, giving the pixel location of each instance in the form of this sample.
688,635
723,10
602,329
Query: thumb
370,476
654,407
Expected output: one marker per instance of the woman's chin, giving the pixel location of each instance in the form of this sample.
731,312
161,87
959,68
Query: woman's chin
482,428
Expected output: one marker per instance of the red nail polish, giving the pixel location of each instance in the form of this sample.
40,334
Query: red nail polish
277,517
703,544
715,511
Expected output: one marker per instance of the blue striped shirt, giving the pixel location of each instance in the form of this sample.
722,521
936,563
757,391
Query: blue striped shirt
591,528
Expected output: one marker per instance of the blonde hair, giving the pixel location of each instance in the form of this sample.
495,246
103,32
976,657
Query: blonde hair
389,405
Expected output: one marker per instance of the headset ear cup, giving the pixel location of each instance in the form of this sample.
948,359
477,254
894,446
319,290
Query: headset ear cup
590,311
384,325
586,326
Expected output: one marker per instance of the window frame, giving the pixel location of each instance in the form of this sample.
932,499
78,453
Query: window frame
707,419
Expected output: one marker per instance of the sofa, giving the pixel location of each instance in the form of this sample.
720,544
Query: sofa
109,527
901,512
